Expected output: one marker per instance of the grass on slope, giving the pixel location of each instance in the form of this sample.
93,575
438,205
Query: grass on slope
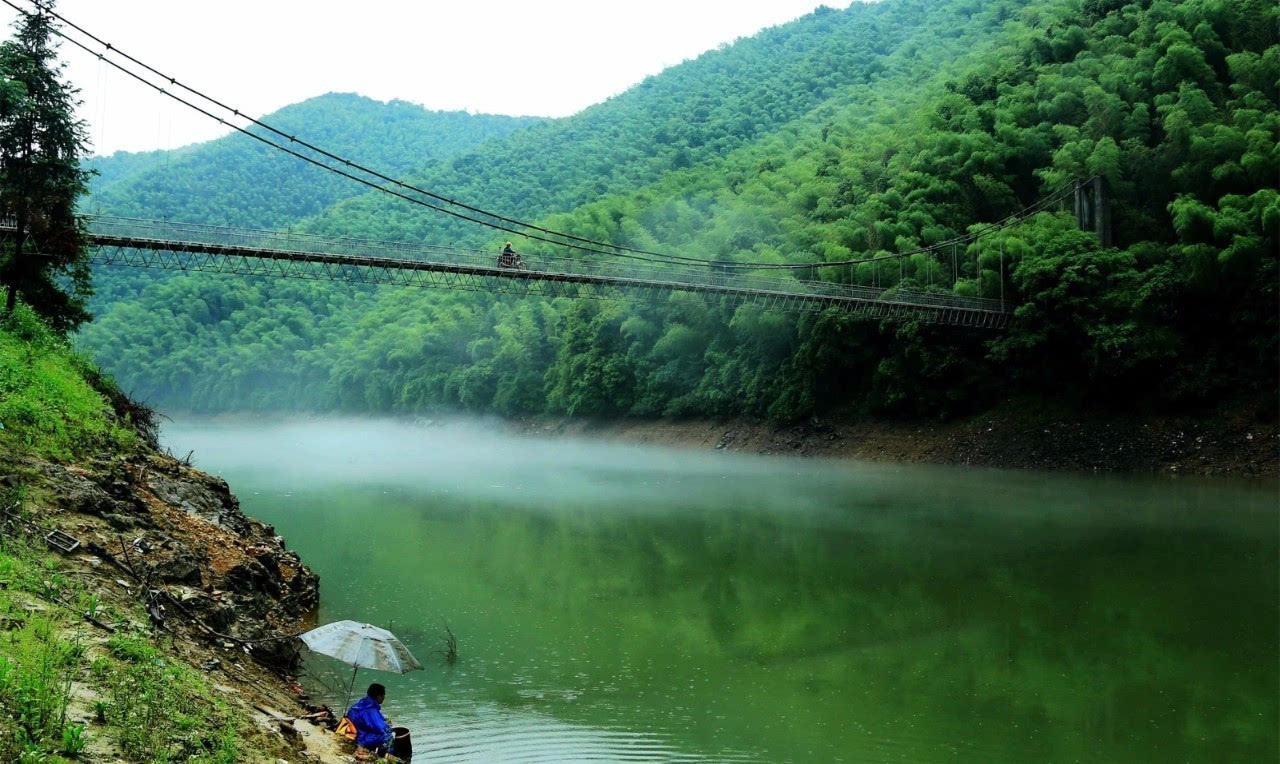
48,408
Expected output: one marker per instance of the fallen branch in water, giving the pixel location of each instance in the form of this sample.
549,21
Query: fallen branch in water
450,651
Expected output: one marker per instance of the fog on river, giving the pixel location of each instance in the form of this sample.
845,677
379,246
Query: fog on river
617,602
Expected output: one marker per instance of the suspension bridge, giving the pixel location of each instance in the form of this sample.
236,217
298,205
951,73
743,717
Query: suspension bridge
216,249
142,243
219,249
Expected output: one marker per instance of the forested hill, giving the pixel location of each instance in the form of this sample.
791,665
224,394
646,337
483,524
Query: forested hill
1175,104
236,180
693,114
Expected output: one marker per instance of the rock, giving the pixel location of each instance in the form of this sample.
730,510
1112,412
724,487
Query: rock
120,490
121,522
234,574
186,594
219,616
253,576
182,568
87,498
209,500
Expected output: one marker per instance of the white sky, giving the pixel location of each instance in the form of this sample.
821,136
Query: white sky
549,58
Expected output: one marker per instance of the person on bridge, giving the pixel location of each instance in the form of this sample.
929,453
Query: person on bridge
510,258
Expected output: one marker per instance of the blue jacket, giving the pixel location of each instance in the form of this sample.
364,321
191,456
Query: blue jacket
372,729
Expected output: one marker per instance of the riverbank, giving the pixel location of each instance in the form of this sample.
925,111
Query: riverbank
1226,442
170,619
143,616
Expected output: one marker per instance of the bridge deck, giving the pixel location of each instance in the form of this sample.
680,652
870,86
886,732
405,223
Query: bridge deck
181,246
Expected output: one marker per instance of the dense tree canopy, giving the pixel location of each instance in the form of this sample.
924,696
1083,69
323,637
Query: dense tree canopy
863,132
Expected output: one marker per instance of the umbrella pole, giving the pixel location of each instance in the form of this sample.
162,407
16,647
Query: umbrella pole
351,687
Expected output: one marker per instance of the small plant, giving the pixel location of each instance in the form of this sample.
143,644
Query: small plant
131,649
89,604
100,668
226,747
100,711
6,675
13,497
161,710
51,587
73,741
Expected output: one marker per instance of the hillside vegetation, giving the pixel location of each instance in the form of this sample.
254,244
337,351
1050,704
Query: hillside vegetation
52,401
861,132
239,181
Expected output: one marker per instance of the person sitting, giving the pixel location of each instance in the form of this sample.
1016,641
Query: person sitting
373,731
510,258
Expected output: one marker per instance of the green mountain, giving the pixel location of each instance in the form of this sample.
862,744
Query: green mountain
692,115
237,180
867,131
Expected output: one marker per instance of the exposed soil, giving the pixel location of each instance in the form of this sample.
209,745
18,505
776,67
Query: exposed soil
1236,442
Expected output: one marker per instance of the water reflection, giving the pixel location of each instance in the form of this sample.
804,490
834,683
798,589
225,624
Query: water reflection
624,603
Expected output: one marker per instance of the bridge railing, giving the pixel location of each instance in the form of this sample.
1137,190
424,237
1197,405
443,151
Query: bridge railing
284,244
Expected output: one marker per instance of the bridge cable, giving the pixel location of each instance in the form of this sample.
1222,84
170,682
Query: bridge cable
102,118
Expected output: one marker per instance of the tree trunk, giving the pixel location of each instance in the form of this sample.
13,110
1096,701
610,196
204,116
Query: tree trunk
12,275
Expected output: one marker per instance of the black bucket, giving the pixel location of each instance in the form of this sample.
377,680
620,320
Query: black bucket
401,745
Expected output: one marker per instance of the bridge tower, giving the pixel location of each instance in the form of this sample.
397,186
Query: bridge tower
1092,206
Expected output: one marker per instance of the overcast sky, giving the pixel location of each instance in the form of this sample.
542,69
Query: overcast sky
549,57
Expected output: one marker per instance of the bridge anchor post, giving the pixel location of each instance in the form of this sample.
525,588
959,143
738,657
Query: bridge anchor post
1092,206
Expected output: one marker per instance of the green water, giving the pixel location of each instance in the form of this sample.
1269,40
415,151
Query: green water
617,603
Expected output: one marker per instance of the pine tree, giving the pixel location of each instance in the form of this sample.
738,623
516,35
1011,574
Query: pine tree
44,260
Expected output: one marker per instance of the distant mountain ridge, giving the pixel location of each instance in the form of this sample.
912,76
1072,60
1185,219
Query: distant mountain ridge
236,180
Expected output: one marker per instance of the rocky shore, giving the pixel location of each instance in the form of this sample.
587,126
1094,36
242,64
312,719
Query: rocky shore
165,556
1242,441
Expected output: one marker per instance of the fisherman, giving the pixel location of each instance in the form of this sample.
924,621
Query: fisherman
373,731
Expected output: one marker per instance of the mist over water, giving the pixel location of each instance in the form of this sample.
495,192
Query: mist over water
614,602
483,462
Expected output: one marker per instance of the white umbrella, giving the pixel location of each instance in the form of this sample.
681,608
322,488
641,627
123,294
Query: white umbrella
361,645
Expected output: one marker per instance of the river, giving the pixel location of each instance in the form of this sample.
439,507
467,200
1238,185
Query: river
624,603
